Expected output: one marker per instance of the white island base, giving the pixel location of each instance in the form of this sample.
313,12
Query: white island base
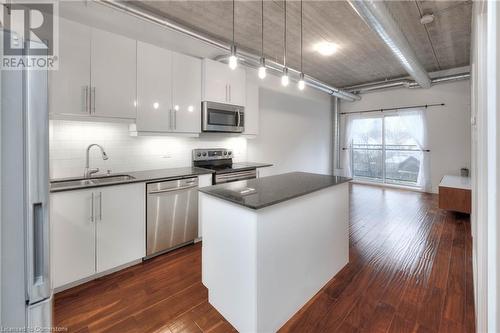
262,265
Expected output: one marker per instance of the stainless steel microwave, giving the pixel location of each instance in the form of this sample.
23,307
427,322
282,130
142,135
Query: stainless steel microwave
219,117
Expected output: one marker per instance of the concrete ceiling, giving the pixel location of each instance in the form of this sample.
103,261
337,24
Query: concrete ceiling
362,56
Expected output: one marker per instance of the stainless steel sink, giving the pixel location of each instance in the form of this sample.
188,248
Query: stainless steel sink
82,183
112,179
70,183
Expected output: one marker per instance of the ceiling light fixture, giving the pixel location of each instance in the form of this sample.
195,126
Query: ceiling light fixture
284,79
326,48
427,18
262,68
233,60
302,83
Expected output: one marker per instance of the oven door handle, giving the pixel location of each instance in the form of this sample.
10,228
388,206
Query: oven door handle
236,175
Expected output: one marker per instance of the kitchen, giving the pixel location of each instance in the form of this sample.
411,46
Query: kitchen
188,158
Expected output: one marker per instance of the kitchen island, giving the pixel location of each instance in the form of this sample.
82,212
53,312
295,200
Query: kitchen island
270,244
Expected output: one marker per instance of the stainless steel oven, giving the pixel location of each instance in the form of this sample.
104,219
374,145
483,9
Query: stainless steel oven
220,160
219,117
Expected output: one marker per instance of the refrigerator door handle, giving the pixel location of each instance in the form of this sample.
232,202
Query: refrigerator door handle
38,254
37,258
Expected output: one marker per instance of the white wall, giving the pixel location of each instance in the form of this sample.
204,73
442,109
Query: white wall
69,139
295,128
448,126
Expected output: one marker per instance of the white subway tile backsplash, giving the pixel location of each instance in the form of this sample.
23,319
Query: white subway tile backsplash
69,139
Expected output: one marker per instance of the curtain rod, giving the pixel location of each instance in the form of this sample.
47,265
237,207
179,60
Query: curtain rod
395,109
424,150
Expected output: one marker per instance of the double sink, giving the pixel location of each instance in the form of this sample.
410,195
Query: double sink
84,182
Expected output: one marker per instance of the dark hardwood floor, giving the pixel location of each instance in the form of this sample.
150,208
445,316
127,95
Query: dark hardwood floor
410,270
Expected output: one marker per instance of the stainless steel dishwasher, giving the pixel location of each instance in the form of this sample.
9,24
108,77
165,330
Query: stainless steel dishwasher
171,214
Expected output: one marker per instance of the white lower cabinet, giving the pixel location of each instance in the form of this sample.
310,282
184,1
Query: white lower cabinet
121,228
96,230
73,236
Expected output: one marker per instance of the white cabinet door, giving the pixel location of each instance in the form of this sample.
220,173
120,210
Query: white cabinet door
237,86
120,223
252,109
70,84
113,75
186,93
154,88
73,236
215,81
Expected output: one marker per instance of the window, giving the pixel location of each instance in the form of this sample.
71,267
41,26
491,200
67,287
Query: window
387,148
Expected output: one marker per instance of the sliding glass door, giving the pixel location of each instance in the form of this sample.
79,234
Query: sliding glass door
386,149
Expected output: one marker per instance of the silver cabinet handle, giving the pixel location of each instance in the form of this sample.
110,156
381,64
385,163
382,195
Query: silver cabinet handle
170,119
86,99
92,97
230,97
100,206
175,119
226,94
92,209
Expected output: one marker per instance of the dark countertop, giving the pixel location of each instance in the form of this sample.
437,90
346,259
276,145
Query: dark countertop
138,177
267,191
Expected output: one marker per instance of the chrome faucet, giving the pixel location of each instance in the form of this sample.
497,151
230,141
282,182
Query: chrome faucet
88,171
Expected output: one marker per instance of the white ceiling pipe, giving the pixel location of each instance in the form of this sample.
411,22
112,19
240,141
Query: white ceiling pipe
380,20
131,9
278,69
406,83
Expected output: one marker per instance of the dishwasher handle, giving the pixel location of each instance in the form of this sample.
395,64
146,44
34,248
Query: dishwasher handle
173,189
172,185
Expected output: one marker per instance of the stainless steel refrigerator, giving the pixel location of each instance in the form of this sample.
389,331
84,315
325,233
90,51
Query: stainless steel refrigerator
26,288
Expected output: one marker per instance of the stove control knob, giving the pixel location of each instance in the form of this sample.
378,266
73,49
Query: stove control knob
230,153
204,154
225,153
199,154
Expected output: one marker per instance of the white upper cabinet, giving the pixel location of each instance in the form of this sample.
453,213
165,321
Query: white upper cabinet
252,108
222,84
154,88
237,86
186,93
168,91
69,91
113,75
96,76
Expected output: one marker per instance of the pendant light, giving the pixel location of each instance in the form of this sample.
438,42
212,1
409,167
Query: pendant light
233,60
302,83
262,67
284,79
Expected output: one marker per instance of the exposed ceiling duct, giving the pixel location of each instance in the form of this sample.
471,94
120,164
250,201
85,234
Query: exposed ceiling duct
403,83
248,58
380,20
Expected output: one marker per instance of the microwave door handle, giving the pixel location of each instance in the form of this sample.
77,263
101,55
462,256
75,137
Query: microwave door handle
239,118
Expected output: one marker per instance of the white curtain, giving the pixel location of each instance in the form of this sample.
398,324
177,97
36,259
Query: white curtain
411,121
348,134
414,122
